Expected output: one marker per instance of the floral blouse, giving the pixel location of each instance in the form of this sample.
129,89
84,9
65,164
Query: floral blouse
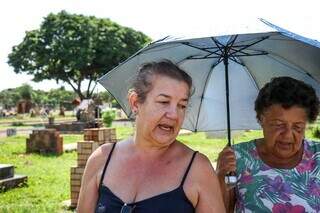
261,188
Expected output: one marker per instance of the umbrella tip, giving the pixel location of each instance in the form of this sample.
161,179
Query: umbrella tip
265,21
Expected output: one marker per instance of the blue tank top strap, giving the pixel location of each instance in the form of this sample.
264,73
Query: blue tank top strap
188,168
106,165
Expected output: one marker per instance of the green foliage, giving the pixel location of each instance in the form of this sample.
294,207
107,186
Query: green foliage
25,91
115,104
53,98
72,48
106,96
316,132
9,98
17,123
61,97
108,117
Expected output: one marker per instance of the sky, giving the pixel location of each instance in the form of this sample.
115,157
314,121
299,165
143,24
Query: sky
156,19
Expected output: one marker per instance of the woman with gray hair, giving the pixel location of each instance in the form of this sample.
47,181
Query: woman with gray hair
152,171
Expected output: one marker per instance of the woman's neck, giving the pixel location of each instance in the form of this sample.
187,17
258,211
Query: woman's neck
149,148
274,161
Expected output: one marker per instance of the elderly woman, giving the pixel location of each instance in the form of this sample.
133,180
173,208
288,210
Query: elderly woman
152,172
279,172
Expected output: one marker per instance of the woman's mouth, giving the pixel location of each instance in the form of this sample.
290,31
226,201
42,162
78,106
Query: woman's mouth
284,145
166,127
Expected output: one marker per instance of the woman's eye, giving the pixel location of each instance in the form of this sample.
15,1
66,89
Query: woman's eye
163,102
298,128
278,126
182,106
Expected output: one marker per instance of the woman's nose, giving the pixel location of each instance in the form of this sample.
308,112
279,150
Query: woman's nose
172,112
287,132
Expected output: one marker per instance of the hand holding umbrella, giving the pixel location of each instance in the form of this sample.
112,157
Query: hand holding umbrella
226,167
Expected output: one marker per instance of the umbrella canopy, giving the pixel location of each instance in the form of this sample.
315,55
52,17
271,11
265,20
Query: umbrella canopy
227,73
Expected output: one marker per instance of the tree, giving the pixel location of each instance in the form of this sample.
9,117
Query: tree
9,98
25,91
105,96
73,48
61,97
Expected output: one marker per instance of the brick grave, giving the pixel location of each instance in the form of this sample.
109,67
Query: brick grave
93,138
8,179
45,141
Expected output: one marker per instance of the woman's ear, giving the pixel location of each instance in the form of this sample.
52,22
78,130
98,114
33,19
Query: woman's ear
133,101
261,120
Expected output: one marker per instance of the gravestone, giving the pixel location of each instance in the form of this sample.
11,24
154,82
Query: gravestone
8,179
45,141
11,132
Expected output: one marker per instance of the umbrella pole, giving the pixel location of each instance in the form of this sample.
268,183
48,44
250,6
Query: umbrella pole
226,64
231,178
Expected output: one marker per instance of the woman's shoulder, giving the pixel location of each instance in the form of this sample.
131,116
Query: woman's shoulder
248,145
98,158
201,160
102,151
311,145
246,151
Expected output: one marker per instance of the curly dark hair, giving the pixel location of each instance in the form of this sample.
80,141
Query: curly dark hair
142,84
288,92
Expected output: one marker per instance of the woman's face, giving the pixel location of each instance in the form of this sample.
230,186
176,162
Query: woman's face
283,130
160,117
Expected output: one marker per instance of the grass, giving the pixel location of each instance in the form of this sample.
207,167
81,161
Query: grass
211,147
49,175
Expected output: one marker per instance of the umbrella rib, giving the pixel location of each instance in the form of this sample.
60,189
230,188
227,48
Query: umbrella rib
249,45
239,43
203,57
231,55
215,64
218,44
254,80
215,52
229,45
232,58
256,52
203,49
248,54
204,89
199,48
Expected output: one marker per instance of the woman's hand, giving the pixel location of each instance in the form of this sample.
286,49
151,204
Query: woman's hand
226,162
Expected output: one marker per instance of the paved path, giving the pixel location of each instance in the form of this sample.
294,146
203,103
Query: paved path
70,147
3,133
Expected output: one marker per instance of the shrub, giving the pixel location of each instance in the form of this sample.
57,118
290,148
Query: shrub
17,123
108,117
115,104
316,132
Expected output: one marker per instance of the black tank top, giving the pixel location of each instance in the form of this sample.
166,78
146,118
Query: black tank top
174,201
